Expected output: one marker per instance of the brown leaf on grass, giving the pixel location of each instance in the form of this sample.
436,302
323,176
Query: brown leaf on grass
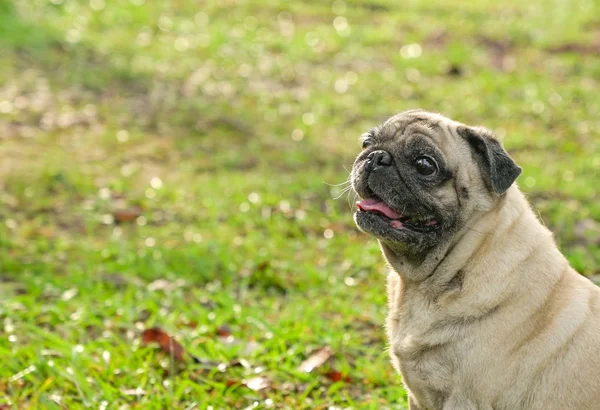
317,359
166,342
224,331
126,215
225,336
500,53
577,48
337,376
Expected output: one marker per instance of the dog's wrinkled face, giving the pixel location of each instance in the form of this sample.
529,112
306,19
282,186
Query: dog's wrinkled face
421,176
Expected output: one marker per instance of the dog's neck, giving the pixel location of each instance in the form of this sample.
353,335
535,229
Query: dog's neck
502,225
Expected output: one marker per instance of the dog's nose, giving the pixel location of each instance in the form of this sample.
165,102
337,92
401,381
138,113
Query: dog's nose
379,159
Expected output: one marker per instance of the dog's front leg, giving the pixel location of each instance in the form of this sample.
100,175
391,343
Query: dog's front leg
412,405
460,402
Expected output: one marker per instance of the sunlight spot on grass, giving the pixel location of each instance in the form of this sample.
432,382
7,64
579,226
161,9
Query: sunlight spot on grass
538,107
104,193
300,214
22,373
150,242
308,118
340,24
144,38
8,325
312,39
530,182
11,224
286,24
141,220
297,135
555,99
182,44
341,85
156,183
165,23
328,233
411,51
69,294
350,281
73,36
122,135
76,315
6,107
253,197
285,206
127,170
351,77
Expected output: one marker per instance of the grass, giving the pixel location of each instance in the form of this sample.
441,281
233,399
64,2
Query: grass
168,165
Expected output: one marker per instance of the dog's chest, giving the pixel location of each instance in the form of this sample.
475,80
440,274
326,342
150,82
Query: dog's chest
421,350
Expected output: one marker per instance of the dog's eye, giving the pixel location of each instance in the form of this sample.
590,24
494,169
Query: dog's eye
425,166
366,143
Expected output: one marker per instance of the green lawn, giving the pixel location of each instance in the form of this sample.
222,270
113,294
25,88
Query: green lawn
175,164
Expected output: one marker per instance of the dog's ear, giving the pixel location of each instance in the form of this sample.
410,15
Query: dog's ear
498,169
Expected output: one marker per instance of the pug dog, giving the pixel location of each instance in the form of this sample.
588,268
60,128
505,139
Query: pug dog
484,311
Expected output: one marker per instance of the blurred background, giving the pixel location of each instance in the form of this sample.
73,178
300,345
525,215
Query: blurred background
180,165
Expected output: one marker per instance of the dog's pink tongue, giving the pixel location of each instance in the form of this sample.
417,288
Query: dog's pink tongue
378,206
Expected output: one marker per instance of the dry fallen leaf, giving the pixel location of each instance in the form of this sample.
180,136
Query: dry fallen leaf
224,331
316,359
126,215
166,342
336,376
225,336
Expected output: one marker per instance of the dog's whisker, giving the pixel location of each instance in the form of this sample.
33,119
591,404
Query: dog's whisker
353,200
345,190
340,184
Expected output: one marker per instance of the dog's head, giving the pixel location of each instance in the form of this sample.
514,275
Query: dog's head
422,176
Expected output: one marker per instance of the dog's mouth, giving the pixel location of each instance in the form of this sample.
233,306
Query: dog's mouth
397,220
